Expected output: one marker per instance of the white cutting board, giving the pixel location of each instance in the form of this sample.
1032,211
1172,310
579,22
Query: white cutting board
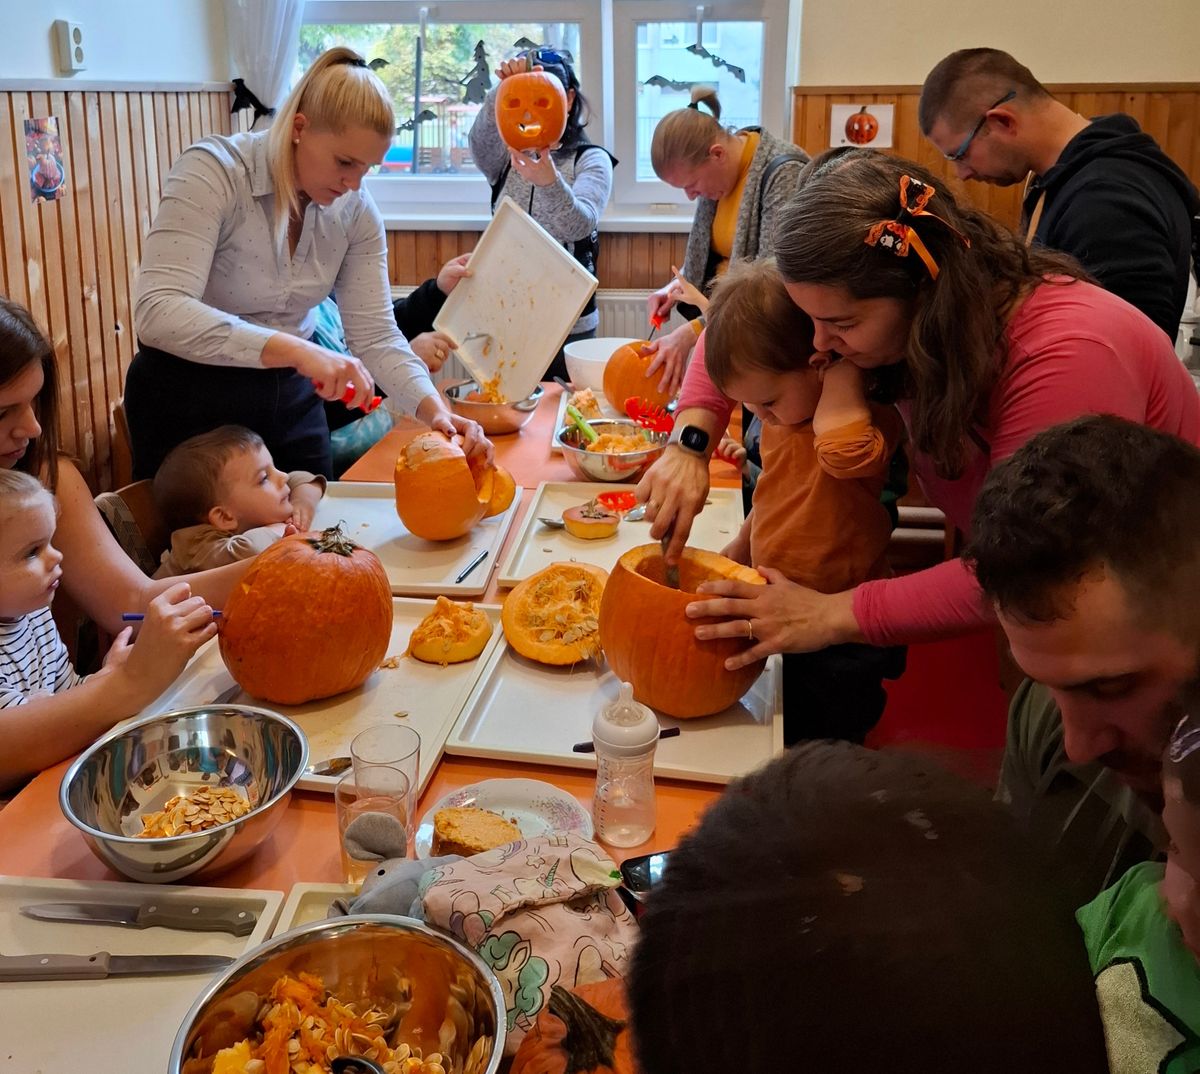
431,695
537,546
118,1025
525,292
524,711
415,567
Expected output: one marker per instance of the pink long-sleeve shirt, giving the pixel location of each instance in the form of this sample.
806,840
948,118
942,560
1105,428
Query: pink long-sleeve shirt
1070,349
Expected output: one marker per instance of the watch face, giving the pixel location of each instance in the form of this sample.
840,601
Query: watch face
693,439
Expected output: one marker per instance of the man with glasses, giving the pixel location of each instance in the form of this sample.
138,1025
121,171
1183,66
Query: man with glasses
1101,190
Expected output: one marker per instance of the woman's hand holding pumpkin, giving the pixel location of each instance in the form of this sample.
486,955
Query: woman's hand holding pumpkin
674,490
442,421
785,617
671,353
517,66
540,170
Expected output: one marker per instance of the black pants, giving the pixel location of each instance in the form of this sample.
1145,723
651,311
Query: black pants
558,367
837,692
168,399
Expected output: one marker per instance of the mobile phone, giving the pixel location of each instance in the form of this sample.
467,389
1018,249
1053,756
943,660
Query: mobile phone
642,874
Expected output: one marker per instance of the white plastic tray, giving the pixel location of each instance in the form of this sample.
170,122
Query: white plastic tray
525,291
415,567
523,711
119,1025
607,410
537,546
310,902
432,695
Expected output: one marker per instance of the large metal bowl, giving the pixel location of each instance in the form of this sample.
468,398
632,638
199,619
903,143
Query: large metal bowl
602,466
495,418
137,768
447,998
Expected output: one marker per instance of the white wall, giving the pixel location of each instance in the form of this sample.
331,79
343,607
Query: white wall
889,42
128,40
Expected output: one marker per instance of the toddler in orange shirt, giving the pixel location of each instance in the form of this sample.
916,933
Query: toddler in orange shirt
816,515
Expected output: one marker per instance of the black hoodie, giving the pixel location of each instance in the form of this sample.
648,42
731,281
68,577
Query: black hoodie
1124,209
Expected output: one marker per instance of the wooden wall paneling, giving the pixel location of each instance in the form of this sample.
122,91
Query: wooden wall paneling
615,260
12,186
426,255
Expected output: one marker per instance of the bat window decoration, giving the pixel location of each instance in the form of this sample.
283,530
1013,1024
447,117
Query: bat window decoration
699,50
423,116
662,82
478,80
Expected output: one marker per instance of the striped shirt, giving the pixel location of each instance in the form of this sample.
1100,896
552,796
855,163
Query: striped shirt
214,285
33,659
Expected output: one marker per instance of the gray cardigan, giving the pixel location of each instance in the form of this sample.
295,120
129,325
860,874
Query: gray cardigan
754,236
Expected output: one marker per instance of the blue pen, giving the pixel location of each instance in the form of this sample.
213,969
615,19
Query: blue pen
137,617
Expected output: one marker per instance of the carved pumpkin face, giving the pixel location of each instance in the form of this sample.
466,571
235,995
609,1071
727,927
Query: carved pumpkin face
862,127
531,111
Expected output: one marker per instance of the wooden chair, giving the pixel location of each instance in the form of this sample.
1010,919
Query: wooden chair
122,446
133,517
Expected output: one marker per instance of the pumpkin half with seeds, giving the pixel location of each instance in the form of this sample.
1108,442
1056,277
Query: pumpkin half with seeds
553,616
584,1030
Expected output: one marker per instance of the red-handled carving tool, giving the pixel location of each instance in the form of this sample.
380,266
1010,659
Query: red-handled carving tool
348,395
655,324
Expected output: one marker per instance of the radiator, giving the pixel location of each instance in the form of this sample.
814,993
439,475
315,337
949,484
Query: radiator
622,313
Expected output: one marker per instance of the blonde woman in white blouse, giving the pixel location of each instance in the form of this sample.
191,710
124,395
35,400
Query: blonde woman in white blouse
253,232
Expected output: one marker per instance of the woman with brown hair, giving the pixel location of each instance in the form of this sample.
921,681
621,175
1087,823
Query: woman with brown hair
254,231
985,343
740,180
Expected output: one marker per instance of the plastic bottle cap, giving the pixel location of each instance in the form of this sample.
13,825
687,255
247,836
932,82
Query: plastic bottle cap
625,728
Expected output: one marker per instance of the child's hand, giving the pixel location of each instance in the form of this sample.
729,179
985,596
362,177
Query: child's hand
304,505
732,451
682,291
176,625
739,548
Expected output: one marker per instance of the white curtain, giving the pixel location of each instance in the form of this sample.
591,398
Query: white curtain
264,37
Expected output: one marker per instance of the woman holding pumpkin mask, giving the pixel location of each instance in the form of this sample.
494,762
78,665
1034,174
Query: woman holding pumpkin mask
565,190
987,342
740,179
253,232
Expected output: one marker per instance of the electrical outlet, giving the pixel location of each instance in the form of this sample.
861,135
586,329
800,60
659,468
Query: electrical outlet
68,37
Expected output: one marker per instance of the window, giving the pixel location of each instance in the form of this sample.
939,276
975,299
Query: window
619,47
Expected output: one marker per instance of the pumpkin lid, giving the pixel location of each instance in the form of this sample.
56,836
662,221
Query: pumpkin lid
625,728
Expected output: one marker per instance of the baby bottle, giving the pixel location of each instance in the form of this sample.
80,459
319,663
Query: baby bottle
626,735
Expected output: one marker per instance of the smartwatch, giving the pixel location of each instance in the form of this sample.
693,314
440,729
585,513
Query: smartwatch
690,437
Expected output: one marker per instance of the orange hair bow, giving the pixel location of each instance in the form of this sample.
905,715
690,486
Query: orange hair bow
899,237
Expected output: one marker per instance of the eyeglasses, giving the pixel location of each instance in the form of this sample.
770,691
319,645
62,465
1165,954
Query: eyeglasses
961,151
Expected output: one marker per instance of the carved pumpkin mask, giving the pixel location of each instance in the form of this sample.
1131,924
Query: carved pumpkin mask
531,111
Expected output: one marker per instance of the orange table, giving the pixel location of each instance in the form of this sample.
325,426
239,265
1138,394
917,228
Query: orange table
36,840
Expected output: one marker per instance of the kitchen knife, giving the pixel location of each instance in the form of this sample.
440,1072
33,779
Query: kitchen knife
173,914
102,964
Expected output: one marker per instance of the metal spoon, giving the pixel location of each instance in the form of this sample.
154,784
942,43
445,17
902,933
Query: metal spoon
552,523
332,766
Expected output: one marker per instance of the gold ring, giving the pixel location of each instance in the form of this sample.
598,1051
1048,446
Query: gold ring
749,630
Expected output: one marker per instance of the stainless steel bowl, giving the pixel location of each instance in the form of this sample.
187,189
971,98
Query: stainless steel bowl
602,466
495,418
137,768
394,963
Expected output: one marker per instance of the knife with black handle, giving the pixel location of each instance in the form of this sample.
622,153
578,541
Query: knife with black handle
167,913
45,967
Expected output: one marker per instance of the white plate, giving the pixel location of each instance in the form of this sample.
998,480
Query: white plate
123,1025
432,695
525,291
415,567
524,711
607,410
537,547
533,806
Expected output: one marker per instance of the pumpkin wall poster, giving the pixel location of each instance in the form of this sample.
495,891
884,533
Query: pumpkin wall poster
861,124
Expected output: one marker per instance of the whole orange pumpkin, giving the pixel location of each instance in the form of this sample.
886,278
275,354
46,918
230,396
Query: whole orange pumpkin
311,618
531,111
625,377
649,640
439,495
862,127
584,1030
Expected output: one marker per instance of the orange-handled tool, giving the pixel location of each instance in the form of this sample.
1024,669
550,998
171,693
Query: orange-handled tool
348,395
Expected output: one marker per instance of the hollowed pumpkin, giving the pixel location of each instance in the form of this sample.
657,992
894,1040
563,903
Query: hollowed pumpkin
553,616
625,376
504,491
650,642
583,1030
439,496
311,618
531,111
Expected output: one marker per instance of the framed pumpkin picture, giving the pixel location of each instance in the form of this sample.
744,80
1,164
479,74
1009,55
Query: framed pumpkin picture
861,124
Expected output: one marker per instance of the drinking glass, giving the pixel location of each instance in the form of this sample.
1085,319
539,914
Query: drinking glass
395,746
371,789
